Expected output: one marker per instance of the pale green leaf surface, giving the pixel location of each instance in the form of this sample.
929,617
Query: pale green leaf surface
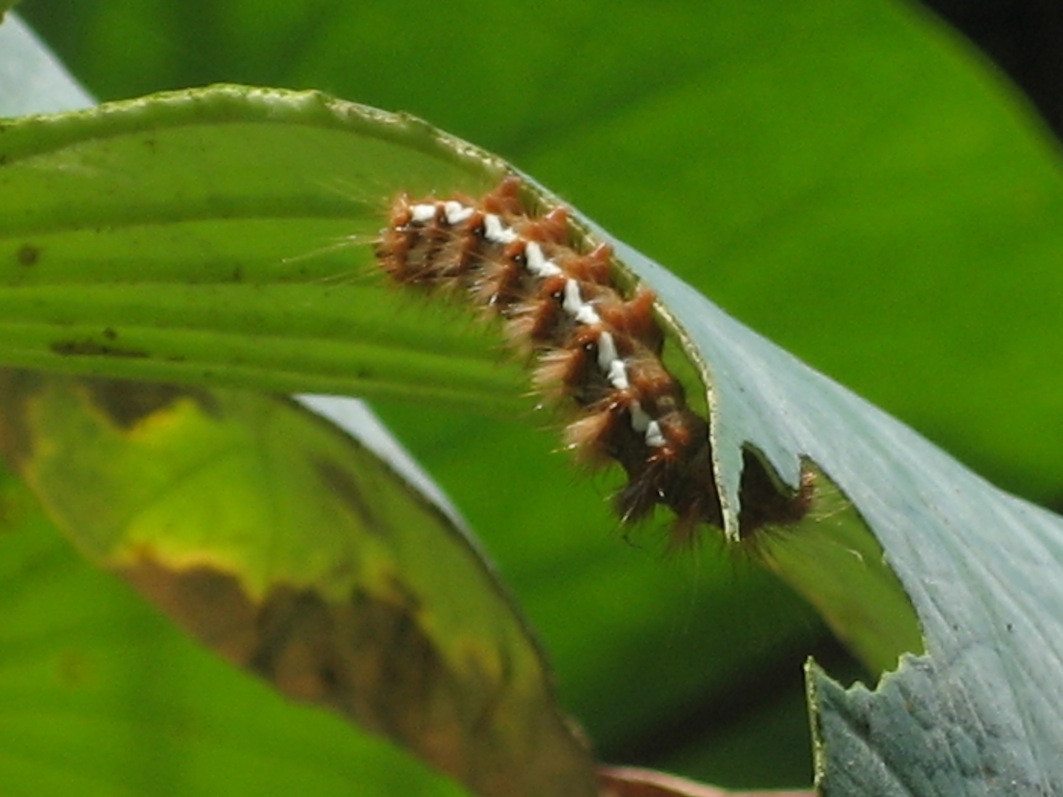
31,79
979,566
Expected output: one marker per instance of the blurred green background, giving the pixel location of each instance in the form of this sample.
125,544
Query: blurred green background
847,177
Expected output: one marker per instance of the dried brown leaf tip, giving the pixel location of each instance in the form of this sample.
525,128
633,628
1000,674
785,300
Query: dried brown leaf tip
595,345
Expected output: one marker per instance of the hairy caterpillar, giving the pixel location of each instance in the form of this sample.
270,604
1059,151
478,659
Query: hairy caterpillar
595,346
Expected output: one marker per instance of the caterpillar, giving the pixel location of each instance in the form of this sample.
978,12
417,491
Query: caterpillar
594,345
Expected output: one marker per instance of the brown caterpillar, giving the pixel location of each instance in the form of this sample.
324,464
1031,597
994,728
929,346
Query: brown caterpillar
593,345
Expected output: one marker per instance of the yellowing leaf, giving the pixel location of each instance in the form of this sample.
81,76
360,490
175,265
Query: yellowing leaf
300,555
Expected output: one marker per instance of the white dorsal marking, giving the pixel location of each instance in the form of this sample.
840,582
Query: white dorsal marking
422,213
607,353
496,232
654,438
640,421
609,361
587,315
538,265
572,301
456,212
617,375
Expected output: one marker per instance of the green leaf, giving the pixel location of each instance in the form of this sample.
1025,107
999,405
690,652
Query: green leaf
975,562
145,239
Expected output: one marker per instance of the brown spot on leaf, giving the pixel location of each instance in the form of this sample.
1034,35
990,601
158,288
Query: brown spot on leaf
17,387
93,348
364,657
127,403
340,483
28,255
370,658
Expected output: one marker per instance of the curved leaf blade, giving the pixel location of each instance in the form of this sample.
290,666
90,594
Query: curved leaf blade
297,554
977,564
101,695
147,239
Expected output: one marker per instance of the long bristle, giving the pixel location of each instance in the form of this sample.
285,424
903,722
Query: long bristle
558,369
591,436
